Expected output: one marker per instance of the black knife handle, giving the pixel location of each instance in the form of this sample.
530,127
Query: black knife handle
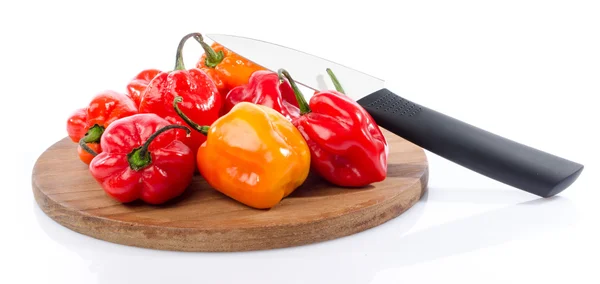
491,155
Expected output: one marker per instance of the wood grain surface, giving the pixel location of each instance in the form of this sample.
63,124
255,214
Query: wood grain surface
203,219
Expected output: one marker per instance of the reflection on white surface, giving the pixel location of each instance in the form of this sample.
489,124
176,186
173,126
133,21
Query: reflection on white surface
114,263
359,258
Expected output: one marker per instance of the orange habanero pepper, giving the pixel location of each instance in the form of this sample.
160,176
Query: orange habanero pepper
252,154
227,69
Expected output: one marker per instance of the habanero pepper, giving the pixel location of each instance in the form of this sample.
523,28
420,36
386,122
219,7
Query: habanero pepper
347,147
139,83
143,159
252,154
227,69
202,99
265,88
86,125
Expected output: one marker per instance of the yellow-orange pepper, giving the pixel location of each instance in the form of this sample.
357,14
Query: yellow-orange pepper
252,154
227,68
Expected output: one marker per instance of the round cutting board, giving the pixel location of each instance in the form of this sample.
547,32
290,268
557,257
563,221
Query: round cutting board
203,219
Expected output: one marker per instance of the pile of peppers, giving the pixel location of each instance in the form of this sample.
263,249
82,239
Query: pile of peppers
246,130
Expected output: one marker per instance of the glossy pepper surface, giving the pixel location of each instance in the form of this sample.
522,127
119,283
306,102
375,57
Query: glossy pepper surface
143,159
201,98
227,69
347,146
253,154
139,83
86,125
265,88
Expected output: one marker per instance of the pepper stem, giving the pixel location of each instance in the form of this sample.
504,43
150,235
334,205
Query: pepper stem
212,58
304,108
196,126
336,83
93,135
179,57
140,158
85,147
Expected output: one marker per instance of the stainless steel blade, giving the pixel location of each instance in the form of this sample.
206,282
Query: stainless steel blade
306,69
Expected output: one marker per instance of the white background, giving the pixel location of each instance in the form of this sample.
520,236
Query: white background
527,70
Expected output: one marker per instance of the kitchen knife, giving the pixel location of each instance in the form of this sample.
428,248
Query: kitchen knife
496,157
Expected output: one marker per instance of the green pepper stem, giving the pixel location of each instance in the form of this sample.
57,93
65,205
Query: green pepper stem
336,83
304,108
212,58
93,135
196,126
179,56
85,147
140,158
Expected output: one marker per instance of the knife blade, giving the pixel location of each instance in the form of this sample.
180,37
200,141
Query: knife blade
306,69
512,163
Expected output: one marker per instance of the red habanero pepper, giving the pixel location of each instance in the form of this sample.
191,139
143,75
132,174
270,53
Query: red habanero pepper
86,125
139,83
265,88
347,147
202,100
143,159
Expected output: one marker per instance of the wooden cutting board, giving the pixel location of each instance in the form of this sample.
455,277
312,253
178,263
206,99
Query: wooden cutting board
203,219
